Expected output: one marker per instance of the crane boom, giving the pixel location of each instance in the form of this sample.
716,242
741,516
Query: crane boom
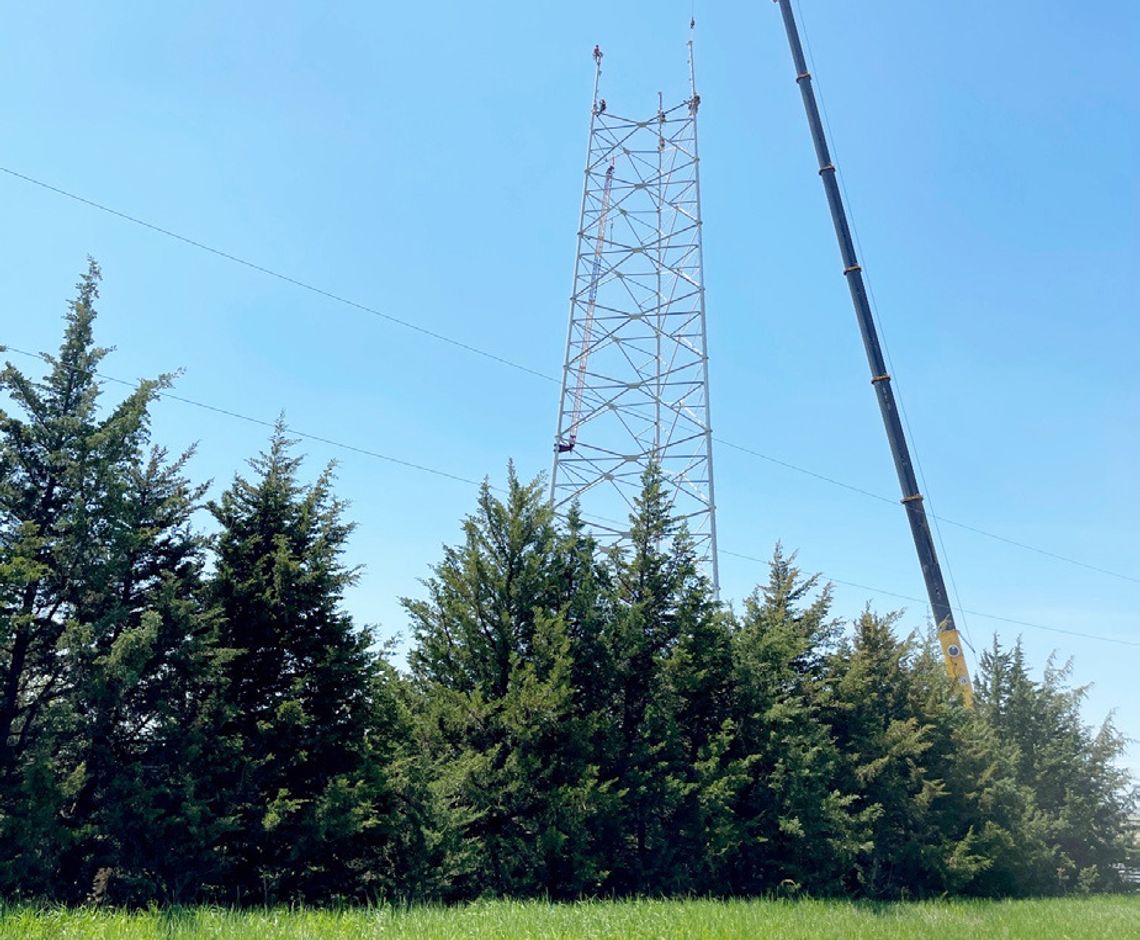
880,379
588,324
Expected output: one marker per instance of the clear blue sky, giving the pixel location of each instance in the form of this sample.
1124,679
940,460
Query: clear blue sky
426,159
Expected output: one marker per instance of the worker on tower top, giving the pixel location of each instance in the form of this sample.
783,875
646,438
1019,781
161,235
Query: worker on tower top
598,55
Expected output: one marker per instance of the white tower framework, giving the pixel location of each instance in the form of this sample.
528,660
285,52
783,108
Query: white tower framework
635,379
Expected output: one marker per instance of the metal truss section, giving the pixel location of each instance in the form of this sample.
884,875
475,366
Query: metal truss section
635,377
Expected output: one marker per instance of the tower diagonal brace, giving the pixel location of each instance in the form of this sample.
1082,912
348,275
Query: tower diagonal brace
635,389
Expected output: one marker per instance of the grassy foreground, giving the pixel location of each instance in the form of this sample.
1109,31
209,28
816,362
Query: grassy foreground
1099,917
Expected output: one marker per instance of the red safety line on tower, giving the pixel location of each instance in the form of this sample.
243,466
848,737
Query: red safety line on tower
588,326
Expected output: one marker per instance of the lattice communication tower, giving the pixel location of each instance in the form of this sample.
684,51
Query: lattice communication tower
635,379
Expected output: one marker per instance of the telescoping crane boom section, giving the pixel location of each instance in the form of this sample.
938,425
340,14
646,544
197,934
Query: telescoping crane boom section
588,324
880,378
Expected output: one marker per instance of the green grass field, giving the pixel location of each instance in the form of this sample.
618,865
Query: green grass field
1100,918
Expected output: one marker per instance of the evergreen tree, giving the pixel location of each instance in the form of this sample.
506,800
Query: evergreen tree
978,811
932,781
146,665
884,743
100,622
794,827
314,715
495,666
671,658
1081,799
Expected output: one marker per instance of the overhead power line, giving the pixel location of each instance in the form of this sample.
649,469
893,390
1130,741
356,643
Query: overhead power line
424,468
973,613
304,285
961,525
259,421
520,367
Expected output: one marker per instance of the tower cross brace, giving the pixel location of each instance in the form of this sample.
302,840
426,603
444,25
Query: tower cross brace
635,375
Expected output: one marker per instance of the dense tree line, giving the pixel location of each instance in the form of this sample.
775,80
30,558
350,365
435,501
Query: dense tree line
188,718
